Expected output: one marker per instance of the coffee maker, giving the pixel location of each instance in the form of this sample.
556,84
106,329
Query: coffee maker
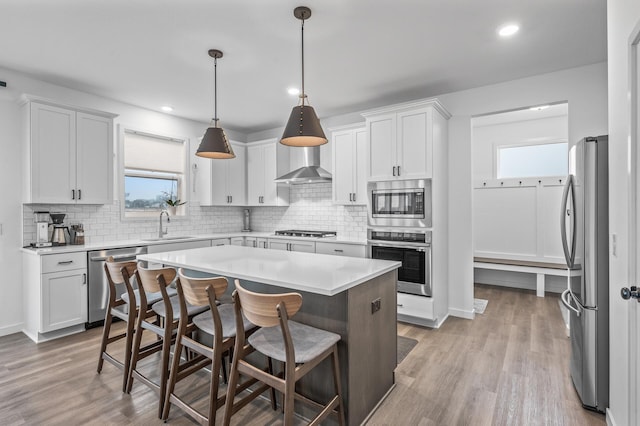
42,229
60,235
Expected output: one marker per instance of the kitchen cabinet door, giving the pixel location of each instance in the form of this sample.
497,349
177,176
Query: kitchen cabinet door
265,162
228,179
94,153
237,176
414,151
349,170
64,299
382,147
52,174
70,155
339,249
292,245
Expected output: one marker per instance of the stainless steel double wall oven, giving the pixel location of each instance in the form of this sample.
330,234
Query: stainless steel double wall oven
399,229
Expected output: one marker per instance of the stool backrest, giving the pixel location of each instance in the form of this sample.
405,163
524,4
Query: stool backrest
148,277
262,309
195,289
113,269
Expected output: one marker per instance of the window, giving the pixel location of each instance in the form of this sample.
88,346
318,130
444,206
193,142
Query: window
154,169
533,160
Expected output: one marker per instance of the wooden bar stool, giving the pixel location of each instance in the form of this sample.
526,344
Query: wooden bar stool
162,320
300,347
119,274
219,322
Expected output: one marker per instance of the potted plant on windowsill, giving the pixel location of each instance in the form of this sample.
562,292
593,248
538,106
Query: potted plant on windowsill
172,203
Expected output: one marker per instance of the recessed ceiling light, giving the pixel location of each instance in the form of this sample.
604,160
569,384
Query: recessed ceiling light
167,108
539,107
293,91
508,30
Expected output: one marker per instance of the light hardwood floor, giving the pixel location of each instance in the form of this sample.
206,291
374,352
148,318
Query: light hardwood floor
506,367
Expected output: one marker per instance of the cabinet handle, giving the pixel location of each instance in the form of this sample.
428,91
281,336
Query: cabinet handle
338,251
255,244
351,196
73,194
354,197
400,305
394,170
84,278
65,262
398,170
79,194
231,198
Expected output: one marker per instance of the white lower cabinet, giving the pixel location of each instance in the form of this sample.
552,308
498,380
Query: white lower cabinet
415,306
340,249
64,299
257,242
237,241
221,242
55,294
292,245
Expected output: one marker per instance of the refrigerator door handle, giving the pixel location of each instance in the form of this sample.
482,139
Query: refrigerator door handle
569,256
564,297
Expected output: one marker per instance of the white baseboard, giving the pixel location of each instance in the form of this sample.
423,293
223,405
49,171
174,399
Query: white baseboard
609,418
422,321
11,329
461,313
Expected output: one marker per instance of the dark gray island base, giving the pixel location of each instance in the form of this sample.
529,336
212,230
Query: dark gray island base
367,350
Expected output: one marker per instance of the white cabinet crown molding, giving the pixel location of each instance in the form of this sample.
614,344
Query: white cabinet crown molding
408,106
26,98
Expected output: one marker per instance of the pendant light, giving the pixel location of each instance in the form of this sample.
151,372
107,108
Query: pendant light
303,128
214,143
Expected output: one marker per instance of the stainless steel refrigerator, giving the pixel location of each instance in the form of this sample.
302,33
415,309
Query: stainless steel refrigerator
585,228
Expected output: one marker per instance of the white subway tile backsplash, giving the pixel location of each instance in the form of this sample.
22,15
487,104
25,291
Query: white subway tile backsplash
310,208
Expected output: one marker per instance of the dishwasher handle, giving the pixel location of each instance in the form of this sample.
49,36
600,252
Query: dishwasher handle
121,258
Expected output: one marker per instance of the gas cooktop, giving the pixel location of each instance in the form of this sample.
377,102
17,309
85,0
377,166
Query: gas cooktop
311,234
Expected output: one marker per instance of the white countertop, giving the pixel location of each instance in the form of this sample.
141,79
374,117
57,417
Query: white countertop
315,273
175,239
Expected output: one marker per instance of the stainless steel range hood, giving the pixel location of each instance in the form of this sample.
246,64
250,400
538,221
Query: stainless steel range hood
310,172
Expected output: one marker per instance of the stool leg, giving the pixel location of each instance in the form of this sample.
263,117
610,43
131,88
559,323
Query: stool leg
173,376
135,353
337,384
215,382
164,365
289,393
272,391
105,337
231,389
128,346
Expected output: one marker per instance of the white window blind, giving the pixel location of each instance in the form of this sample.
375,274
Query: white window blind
142,152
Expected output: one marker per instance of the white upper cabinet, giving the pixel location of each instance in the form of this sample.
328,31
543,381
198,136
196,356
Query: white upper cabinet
401,140
69,155
228,179
349,165
266,161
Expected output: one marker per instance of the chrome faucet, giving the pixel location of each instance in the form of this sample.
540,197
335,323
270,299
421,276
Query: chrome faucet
162,233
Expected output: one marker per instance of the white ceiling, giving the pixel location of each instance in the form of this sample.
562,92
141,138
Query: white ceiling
359,54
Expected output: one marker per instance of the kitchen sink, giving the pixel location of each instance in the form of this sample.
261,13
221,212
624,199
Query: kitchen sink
183,237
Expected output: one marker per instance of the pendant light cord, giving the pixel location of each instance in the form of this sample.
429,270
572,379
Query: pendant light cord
302,96
215,92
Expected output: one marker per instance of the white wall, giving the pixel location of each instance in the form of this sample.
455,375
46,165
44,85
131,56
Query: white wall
584,88
622,17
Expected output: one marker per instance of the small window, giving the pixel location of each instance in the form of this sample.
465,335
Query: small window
545,159
153,171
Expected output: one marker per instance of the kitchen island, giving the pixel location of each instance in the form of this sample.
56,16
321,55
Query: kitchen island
353,297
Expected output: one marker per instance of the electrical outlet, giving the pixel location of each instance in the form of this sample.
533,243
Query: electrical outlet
375,305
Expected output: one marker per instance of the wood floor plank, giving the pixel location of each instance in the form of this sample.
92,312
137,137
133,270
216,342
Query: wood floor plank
509,366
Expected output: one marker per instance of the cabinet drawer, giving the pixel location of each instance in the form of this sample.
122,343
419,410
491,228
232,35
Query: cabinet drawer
415,306
64,262
351,250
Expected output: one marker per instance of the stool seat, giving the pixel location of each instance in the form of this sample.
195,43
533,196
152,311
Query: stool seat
204,322
151,297
160,309
308,342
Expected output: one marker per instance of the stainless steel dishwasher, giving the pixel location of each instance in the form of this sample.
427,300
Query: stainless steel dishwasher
98,289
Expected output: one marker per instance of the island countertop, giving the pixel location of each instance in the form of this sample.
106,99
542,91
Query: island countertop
314,273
